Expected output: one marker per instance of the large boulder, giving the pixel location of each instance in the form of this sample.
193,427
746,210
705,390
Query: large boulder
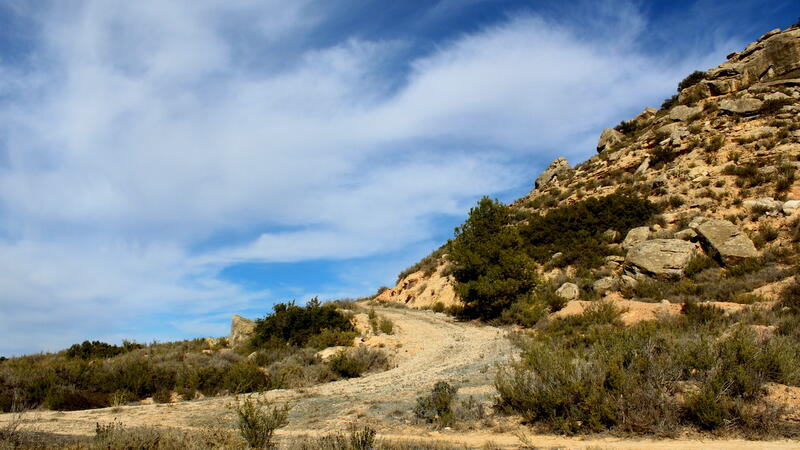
635,236
741,105
241,330
559,169
776,56
724,240
608,138
663,258
569,291
682,113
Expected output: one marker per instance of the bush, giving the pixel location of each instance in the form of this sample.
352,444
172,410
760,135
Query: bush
97,349
774,106
331,338
790,297
490,266
351,364
438,405
386,326
693,78
295,325
257,420
244,376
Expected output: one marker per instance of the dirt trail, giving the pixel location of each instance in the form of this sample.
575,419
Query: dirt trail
430,347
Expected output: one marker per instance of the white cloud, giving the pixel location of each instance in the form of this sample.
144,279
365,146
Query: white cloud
143,128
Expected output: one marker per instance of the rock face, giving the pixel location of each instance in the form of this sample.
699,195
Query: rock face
559,169
682,113
723,240
241,330
635,236
741,106
608,138
666,258
569,291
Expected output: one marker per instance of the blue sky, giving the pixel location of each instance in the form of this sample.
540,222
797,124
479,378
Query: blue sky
164,165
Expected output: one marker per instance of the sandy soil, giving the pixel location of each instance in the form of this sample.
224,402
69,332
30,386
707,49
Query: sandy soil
429,347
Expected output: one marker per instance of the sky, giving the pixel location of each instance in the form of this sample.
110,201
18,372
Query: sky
164,165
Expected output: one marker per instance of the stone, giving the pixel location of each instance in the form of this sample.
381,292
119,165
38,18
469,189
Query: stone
664,258
674,131
776,96
241,330
766,204
608,138
686,235
628,281
741,106
569,291
791,207
724,240
636,235
559,169
769,34
682,113
556,256
643,166
605,285
611,235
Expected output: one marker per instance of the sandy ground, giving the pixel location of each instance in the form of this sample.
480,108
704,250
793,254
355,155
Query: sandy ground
429,347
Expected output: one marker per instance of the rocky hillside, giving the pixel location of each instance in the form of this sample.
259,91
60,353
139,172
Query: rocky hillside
719,158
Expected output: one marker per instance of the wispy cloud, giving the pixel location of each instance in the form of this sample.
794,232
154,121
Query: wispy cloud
139,129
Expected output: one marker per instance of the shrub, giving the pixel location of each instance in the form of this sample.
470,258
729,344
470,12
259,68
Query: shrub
490,266
693,78
774,106
331,338
699,313
427,264
386,326
295,325
257,420
698,264
790,297
244,376
661,155
351,364
97,349
438,405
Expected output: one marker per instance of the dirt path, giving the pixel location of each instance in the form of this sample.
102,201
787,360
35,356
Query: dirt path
429,348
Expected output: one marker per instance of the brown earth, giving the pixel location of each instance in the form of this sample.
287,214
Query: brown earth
427,347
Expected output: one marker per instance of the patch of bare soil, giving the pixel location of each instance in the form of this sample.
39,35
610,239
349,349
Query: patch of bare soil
428,347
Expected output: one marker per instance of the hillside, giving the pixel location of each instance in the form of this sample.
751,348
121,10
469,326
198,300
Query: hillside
726,147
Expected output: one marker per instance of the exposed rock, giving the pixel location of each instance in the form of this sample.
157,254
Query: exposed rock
611,235
608,138
628,281
686,235
661,257
643,166
791,207
556,256
559,169
769,34
675,131
605,285
741,106
764,203
241,330
723,240
776,96
683,113
569,291
635,236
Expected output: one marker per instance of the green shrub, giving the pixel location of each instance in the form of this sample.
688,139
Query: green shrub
490,266
386,326
702,314
162,396
661,155
693,78
438,405
331,338
257,420
698,264
244,376
351,364
295,325
95,349
790,297
774,106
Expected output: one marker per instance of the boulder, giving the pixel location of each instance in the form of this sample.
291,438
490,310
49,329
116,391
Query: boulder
764,204
686,235
559,169
675,131
724,240
241,330
605,285
608,138
635,236
569,291
664,258
682,113
776,96
741,106
611,235
791,207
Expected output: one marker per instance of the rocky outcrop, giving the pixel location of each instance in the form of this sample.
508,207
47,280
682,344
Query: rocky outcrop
559,169
635,236
241,330
608,138
663,258
569,291
791,207
724,241
741,105
682,113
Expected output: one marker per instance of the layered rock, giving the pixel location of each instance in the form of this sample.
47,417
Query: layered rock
559,169
724,241
663,258
241,330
